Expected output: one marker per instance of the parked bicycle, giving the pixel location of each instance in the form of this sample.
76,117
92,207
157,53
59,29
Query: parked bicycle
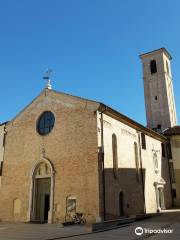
76,218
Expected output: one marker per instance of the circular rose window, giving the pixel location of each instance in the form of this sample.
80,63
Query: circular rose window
45,123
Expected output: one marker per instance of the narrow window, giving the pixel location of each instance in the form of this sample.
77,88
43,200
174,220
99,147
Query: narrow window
1,168
163,150
153,67
174,193
171,168
143,140
169,152
156,98
115,158
136,160
167,67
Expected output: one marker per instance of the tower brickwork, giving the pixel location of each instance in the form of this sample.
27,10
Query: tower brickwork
158,90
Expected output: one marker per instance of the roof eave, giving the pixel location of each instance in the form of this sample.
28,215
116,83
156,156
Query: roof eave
163,49
119,116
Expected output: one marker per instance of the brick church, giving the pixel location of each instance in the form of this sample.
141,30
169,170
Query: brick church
63,153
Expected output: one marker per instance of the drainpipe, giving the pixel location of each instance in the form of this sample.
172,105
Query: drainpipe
142,177
102,159
170,180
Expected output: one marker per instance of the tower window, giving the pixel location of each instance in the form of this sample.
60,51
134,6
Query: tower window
115,157
153,67
156,98
159,126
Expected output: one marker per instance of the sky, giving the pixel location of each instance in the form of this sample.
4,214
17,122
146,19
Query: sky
92,46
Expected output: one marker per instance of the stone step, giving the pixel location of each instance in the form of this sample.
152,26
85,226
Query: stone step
120,222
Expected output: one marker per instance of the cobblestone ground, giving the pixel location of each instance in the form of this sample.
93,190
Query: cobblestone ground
169,221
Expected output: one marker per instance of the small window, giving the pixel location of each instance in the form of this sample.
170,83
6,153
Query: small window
163,150
174,193
153,67
1,168
45,123
143,140
115,157
156,98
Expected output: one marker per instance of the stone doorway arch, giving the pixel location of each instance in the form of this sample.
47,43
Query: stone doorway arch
41,201
159,190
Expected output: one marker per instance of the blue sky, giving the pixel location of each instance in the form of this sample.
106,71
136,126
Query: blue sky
91,45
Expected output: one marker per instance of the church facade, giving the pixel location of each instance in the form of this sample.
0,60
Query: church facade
64,153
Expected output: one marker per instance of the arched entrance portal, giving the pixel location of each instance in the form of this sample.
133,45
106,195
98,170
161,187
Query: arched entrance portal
41,199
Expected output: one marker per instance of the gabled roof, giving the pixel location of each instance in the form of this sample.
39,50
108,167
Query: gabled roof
109,111
130,122
45,91
3,123
172,131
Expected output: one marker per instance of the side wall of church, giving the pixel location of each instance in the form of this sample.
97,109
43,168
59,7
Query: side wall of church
129,177
71,147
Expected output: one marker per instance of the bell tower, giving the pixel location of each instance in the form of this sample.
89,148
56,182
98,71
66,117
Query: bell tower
158,90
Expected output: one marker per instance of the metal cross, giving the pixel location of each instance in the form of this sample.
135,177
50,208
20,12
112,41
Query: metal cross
47,75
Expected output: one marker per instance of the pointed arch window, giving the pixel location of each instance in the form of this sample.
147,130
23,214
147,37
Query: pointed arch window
115,157
153,66
136,156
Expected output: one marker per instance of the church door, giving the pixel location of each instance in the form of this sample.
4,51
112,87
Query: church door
41,210
161,198
42,197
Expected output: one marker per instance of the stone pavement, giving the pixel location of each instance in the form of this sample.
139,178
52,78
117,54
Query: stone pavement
168,220
27,231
